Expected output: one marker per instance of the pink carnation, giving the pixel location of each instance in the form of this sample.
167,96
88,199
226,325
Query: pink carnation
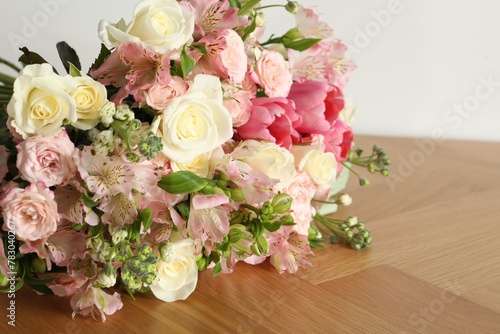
47,159
302,190
272,119
32,210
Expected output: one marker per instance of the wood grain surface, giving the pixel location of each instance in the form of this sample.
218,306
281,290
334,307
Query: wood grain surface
434,266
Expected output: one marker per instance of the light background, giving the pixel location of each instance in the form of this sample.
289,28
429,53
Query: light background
417,65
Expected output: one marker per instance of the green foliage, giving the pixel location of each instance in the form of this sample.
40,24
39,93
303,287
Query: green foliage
68,56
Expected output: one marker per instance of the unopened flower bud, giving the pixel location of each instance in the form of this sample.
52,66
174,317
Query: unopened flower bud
39,264
292,34
292,7
118,235
237,195
3,280
260,19
149,278
351,221
344,199
287,220
166,252
363,182
202,263
107,276
282,203
133,157
123,113
107,113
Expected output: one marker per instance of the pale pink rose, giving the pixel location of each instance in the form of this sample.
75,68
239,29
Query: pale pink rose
65,285
159,95
302,190
273,120
233,58
47,159
91,301
32,210
273,73
318,104
4,156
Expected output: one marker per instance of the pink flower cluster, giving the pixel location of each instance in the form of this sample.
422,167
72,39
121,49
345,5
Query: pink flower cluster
191,90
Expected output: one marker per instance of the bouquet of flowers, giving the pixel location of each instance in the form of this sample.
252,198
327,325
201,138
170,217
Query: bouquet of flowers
190,144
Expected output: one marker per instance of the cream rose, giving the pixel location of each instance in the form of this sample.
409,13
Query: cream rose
274,73
177,271
203,165
194,123
41,102
32,210
320,166
269,158
159,25
90,97
49,159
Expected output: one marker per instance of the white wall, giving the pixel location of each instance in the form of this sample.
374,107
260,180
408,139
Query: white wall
421,67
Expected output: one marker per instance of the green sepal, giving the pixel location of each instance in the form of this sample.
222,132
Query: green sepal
182,182
248,30
74,71
88,202
217,269
146,217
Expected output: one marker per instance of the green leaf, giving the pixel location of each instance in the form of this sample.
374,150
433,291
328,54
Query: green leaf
182,182
17,287
134,231
146,217
301,44
235,3
201,48
217,269
247,7
30,58
187,64
248,30
74,71
68,56
95,230
103,54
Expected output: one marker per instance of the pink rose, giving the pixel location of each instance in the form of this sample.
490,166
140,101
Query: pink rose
273,73
318,104
158,95
272,119
4,156
47,159
32,211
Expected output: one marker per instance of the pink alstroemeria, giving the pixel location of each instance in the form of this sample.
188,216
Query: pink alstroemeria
309,24
289,251
91,301
72,207
119,210
212,15
105,175
66,285
209,218
273,120
59,248
133,69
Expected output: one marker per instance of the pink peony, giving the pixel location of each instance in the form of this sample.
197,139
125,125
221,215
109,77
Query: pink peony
48,159
32,210
339,141
273,120
273,73
318,104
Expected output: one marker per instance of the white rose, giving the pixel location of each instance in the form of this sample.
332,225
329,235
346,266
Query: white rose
320,166
194,123
202,165
41,102
158,25
90,97
269,158
177,272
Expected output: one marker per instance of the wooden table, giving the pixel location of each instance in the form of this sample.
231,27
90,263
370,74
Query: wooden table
434,266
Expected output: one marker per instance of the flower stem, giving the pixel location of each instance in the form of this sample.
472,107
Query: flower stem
11,65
